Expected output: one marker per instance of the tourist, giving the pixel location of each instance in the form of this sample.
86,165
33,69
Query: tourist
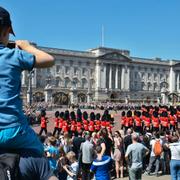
14,129
101,166
134,155
88,155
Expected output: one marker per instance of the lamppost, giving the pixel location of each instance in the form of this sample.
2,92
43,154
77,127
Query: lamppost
29,91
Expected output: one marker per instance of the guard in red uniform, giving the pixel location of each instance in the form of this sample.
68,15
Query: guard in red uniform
65,126
137,121
97,122
123,119
72,122
85,121
79,125
128,121
91,122
43,123
155,121
147,122
164,121
56,123
173,120
85,117
61,119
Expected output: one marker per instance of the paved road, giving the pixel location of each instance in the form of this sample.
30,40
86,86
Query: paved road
50,128
144,177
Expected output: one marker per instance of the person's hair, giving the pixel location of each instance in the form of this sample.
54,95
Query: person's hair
119,134
71,156
174,139
98,149
104,132
135,137
94,134
52,140
61,151
87,137
157,135
129,131
66,135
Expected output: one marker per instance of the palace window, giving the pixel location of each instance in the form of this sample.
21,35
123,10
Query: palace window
75,71
67,82
155,77
84,71
92,72
58,69
84,83
67,70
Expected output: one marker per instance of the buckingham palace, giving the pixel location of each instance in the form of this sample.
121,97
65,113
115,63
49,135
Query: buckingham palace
102,74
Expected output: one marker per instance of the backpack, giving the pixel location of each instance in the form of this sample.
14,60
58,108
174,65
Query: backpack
9,166
157,148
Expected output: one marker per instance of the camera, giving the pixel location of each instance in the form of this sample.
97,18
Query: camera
11,45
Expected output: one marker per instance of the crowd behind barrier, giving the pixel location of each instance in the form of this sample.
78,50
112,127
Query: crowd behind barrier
83,146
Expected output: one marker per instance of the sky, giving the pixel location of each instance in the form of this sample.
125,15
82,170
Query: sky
147,28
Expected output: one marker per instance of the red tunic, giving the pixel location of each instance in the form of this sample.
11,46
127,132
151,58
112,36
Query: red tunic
79,126
103,124
91,126
43,122
56,122
164,121
60,123
147,121
65,126
137,121
172,120
155,122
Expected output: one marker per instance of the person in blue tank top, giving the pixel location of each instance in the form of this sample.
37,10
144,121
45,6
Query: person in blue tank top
15,132
101,166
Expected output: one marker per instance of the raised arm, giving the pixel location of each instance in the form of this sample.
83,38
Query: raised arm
43,59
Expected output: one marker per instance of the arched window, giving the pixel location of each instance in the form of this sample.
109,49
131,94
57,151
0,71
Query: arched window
58,82
84,83
75,83
67,83
149,86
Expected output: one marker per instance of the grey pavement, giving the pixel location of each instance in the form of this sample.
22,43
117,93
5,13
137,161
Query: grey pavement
145,177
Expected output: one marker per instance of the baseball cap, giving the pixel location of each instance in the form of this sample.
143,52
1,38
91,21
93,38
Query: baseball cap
5,19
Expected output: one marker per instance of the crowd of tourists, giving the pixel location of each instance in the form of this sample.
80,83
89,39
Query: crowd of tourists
83,146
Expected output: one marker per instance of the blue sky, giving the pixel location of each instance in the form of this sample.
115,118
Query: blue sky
148,28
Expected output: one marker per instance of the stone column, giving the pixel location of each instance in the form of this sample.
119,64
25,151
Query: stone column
177,81
127,79
172,80
110,77
98,75
23,78
123,78
103,76
34,78
116,78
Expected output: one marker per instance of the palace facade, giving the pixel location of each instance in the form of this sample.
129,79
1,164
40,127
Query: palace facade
102,74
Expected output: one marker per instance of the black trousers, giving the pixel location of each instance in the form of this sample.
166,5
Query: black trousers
56,129
86,175
41,131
